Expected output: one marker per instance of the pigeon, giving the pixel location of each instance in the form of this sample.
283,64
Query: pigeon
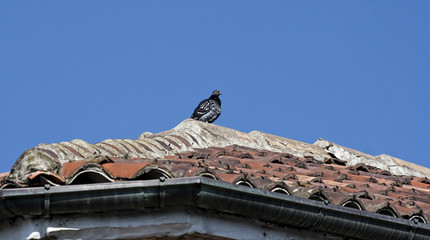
209,109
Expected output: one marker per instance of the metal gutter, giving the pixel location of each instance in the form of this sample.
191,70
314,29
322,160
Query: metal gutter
205,193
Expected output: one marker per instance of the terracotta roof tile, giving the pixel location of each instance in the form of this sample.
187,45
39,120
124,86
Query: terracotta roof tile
125,170
3,175
70,167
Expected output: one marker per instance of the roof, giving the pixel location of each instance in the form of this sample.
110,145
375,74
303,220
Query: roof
323,171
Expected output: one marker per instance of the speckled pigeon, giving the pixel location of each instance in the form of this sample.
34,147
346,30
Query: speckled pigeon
209,109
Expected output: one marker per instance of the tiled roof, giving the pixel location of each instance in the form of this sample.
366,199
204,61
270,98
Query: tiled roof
360,186
313,171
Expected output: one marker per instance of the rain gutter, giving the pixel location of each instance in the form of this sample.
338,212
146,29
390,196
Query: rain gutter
205,193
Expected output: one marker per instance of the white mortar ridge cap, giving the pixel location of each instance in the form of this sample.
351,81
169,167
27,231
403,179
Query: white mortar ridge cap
385,162
405,166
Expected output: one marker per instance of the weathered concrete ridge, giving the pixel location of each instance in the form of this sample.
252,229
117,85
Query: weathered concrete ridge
385,162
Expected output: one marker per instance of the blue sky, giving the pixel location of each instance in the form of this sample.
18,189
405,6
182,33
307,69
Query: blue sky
353,72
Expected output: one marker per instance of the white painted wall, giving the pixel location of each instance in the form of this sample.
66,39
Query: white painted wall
175,222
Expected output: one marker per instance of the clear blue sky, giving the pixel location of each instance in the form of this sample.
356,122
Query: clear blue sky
353,72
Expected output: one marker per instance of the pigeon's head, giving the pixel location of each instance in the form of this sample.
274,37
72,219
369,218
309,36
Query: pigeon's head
216,93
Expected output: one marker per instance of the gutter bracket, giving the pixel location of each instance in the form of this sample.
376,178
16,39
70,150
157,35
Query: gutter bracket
413,229
3,205
321,214
162,192
46,201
